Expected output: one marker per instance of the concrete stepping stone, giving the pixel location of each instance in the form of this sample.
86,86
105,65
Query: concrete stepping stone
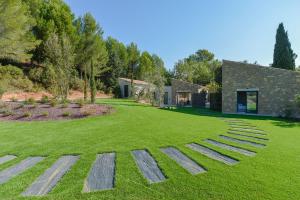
212,154
102,174
240,141
6,158
230,147
241,124
47,181
249,136
17,169
148,166
184,161
248,129
246,132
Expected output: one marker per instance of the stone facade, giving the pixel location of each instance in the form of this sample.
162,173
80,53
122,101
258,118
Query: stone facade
183,86
276,87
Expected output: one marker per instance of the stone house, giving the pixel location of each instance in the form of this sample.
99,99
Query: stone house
179,93
254,89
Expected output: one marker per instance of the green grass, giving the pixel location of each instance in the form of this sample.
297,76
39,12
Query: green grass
274,173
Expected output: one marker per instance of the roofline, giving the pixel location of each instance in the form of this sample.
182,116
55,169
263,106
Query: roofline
255,65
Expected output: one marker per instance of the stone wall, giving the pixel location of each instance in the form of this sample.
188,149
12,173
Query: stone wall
277,87
183,86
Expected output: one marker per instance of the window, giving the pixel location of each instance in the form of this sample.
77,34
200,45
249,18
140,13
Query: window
166,98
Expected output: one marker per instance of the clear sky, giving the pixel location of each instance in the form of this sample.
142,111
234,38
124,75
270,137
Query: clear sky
232,29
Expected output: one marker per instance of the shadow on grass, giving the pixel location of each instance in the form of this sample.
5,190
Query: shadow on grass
281,122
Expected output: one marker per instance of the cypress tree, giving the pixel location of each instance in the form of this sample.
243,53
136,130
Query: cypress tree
284,57
92,83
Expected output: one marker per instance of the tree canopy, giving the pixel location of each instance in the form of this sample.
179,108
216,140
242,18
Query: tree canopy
16,37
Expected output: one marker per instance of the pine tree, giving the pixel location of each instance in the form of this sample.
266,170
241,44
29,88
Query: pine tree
284,57
16,38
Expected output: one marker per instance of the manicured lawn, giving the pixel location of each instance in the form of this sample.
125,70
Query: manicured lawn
274,173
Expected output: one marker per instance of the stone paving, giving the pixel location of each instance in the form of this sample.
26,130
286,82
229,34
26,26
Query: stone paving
103,170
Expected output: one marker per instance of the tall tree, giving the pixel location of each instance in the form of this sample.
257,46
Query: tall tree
146,65
60,57
284,56
117,63
91,48
92,83
16,38
133,61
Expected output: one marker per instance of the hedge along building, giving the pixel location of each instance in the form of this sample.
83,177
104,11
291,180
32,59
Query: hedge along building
254,89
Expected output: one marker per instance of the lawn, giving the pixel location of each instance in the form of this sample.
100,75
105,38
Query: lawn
274,173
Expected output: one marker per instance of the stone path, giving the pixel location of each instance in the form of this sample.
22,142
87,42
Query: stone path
47,181
102,174
230,147
240,141
17,169
184,161
148,166
212,154
248,136
6,158
247,132
247,129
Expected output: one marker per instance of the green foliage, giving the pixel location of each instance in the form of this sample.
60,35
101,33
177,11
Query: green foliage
2,91
43,75
12,78
44,99
16,39
81,103
53,102
29,101
45,114
27,114
66,114
284,56
133,61
60,56
52,17
199,68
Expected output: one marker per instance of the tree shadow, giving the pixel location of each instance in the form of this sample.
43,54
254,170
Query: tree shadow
281,122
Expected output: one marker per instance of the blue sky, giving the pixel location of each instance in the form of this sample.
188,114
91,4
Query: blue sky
232,29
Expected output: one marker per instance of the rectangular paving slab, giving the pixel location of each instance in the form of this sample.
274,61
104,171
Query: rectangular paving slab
249,136
247,129
102,174
47,181
240,141
230,147
148,166
241,125
184,161
17,169
6,158
212,154
246,132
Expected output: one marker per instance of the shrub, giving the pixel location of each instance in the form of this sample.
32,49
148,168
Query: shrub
2,105
65,105
6,113
27,114
53,102
29,101
77,84
45,114
81,103
66,114
86,113
43,75
44,99
13,99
